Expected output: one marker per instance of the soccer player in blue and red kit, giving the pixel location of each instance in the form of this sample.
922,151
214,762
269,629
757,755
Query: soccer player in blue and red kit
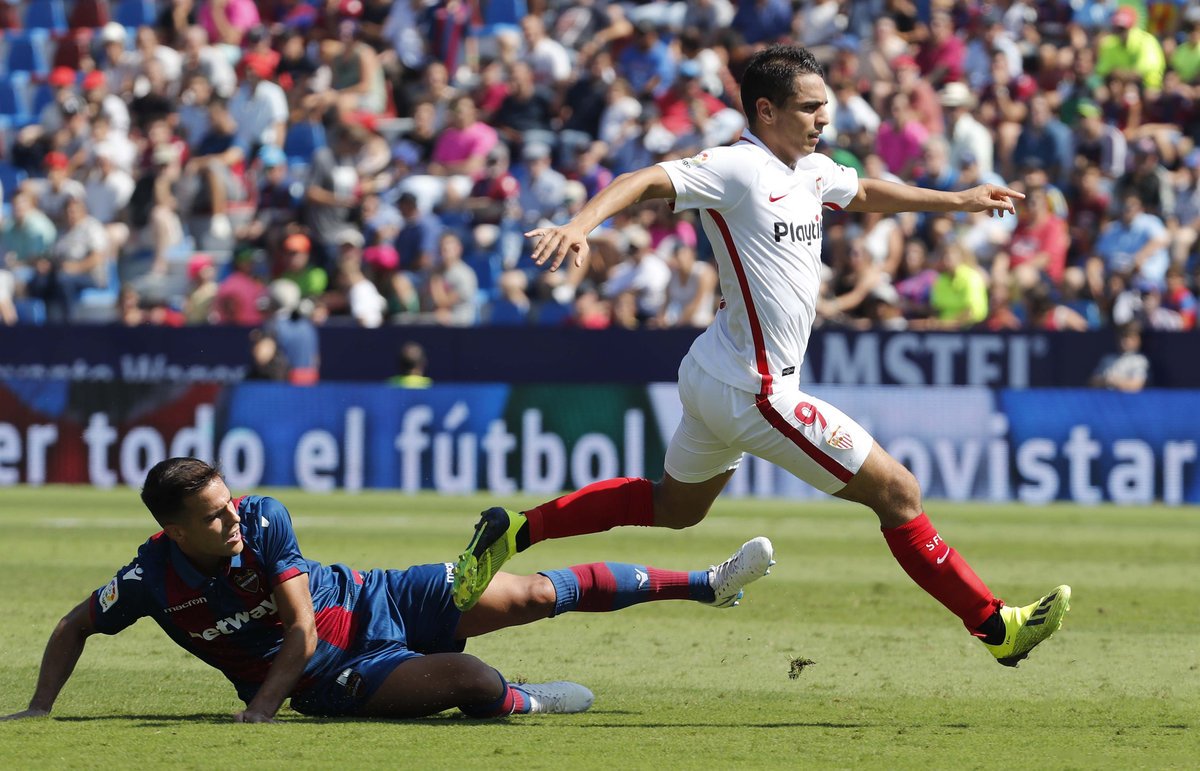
226,581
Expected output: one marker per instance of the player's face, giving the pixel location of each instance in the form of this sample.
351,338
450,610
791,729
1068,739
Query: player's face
802,117
209,528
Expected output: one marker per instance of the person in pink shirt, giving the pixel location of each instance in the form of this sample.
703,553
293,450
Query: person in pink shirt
464,144
901,138
227,21
240,296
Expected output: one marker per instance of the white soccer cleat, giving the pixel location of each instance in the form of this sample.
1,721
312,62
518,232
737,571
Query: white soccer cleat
749,563
559,697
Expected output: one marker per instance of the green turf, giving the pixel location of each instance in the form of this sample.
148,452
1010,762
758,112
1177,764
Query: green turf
896,684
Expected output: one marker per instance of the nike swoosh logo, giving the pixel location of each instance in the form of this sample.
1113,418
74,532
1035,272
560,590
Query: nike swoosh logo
774,198
942,558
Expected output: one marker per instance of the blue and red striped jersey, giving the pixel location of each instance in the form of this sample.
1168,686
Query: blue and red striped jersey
230,620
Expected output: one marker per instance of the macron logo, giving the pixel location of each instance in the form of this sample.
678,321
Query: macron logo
231,624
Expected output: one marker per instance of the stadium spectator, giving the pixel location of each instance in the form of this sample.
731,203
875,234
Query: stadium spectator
1149,180
1099,143
968,138
1038,250
941,56
356,75
643,274
1044,139
411,364
239,298
922,98
202,290
959,296
452,285
1135,244
762,21
463,146
548,59
206,61
332,192
901,137
541,186
259,107
227,21
288,324
647,62
298,267
28,233
686,107
526,113
363,300
1128,50
1129,369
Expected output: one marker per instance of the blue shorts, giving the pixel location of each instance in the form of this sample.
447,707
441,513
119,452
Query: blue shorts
408,613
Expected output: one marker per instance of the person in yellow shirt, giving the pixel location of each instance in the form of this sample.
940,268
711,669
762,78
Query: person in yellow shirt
1186,59
959,297
1130,49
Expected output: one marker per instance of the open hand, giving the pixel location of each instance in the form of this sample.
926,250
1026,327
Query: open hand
556,242
252,716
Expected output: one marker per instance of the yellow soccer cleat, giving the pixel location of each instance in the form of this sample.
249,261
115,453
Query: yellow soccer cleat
1027,626
494,542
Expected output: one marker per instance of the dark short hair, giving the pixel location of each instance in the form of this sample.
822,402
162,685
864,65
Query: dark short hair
772,74
171,482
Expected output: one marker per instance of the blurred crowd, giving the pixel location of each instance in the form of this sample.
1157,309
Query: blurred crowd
374,162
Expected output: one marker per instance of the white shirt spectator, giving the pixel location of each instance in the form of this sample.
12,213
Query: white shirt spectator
366,303
550,62
970,137
647,277
107,194
258,113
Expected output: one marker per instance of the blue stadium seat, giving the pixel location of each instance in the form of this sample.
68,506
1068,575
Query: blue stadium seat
46,14
43,94
28,51
14,95
508,314
553,314
302,140
30,310
11,177
135,13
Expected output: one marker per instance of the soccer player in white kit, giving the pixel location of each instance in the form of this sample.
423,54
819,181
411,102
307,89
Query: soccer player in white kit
761,202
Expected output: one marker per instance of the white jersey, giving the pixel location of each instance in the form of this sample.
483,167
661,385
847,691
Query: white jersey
765,221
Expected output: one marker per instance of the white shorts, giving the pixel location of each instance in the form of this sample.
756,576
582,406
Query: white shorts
798,432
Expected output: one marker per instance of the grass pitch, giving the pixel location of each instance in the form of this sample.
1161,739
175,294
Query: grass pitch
892,680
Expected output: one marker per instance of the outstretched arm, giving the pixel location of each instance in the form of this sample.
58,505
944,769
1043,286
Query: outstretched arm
878,195
62,652
299,643
642,185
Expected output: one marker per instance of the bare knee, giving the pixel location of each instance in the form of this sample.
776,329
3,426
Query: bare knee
670,511
475,682
538,593
885,486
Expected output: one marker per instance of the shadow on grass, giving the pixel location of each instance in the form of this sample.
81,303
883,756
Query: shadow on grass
151,720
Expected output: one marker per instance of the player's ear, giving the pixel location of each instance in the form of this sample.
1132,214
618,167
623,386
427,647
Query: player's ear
766,110
175,532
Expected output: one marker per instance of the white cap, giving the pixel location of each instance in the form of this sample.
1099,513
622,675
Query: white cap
113,32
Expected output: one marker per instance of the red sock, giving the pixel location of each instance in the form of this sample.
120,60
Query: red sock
940,571
598,507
